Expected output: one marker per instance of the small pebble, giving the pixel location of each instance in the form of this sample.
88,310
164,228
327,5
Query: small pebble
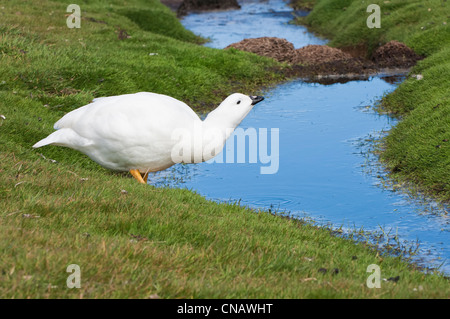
394,279
322,270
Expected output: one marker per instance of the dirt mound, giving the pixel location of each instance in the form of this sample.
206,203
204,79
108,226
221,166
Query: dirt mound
311,61
201,5
172,4
284,51
322,63
315,54
276,48
395,54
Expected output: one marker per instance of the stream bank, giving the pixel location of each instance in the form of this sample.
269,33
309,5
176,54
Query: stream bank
417,150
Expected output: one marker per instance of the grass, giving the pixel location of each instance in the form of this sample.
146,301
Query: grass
132,241
302,4
417,150
172,243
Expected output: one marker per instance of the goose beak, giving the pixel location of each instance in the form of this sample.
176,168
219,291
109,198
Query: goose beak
256,99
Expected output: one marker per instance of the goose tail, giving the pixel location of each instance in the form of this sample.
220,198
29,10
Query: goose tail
64,137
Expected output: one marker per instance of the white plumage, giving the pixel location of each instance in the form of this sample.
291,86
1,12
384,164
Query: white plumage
135,132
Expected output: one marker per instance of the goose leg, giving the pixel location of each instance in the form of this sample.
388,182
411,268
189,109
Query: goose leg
145,177
137,175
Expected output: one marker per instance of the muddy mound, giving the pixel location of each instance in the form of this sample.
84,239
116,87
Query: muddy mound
202,5
284,51
276,48
315,54
323,63
172,4
395,54
351,68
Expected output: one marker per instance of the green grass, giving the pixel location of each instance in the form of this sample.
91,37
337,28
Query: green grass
172,243
417,150
130,240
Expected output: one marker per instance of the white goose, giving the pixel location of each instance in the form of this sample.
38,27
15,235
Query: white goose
139,132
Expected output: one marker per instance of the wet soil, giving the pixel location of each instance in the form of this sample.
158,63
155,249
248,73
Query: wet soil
324,62
395,54
172,4
275,48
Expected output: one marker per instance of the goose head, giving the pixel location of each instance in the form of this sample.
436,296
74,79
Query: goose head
230,113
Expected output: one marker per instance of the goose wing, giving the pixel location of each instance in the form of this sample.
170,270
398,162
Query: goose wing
140,116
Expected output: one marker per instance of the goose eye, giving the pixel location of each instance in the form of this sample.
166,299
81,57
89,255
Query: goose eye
239,102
